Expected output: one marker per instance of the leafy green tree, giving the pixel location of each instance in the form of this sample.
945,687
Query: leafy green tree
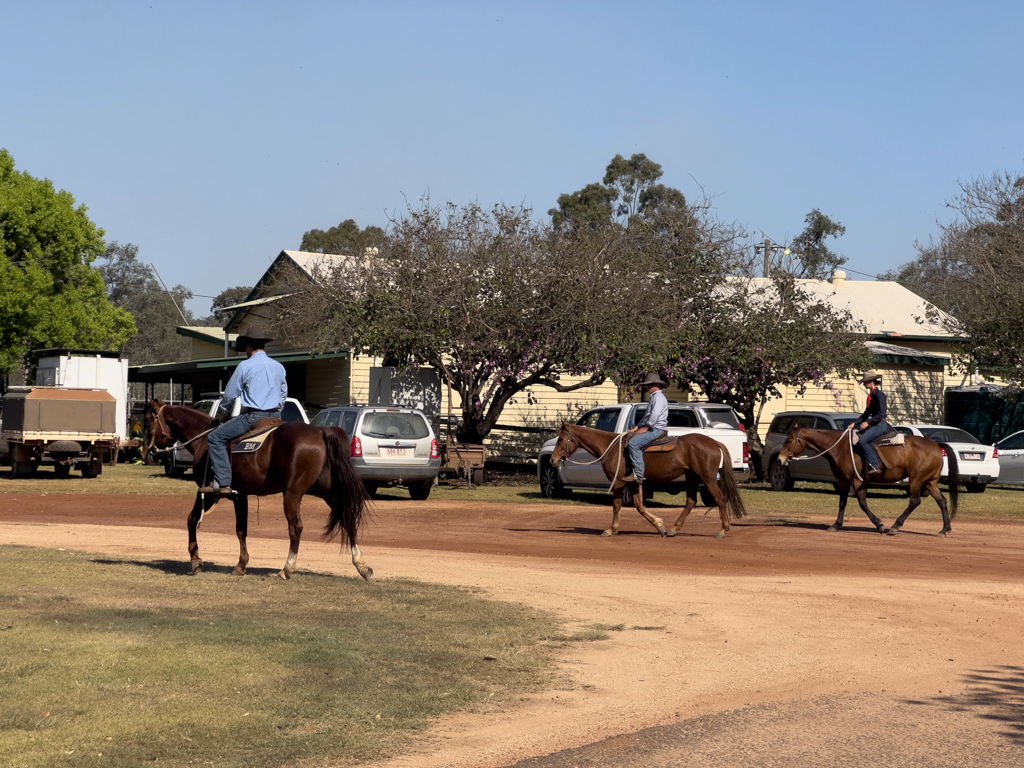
346,238
973,272
50,293
229,297
501,305
812,256
132,287
629,192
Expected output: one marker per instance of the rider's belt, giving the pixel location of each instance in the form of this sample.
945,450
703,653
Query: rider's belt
260,410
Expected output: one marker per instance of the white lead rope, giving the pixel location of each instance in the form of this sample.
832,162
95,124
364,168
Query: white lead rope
853,460
182,445
618,463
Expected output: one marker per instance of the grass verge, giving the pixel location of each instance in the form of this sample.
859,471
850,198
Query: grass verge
129,663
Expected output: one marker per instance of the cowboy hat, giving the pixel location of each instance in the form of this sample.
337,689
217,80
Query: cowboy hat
871,376
654,378
253,337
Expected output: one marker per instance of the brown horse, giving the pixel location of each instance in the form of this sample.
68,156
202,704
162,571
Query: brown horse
918,459
295,459
698,457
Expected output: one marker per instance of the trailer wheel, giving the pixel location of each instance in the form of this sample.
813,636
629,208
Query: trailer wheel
61,470
479,477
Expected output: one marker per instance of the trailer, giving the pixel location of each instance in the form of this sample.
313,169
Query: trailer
67,427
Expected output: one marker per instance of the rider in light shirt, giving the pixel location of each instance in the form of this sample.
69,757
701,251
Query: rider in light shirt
653,425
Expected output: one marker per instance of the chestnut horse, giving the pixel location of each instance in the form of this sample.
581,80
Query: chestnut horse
295,459
918,459
698,457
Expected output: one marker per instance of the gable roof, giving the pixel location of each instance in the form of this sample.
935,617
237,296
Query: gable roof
307,262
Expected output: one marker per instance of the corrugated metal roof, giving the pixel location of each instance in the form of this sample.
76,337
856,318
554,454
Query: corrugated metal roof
882,306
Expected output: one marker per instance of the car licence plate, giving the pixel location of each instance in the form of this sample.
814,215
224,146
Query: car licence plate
967,456
396,451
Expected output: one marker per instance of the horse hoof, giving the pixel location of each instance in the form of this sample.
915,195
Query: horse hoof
944,534
367,573
606,534
719,535
882,529
670,534
238,571
285,575
197,566
662,531
832,528
892,531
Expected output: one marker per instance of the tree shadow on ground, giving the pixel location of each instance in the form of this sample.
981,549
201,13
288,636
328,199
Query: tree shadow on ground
996,694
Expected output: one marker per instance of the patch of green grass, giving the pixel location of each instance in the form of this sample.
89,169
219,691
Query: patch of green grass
122,479
142,664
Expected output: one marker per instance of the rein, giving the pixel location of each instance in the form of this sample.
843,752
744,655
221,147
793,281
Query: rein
853,462
165,428
618,464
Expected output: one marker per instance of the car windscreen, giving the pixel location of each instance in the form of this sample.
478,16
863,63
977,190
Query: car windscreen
381,424
947,435
722,416
842,422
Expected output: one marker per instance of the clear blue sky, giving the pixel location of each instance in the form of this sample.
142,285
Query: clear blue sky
214,134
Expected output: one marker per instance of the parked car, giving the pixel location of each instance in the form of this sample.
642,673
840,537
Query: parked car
781,478
390,445
712,419
180,459
978,463
1011,459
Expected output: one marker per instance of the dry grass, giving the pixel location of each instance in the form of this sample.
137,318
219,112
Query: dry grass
128,663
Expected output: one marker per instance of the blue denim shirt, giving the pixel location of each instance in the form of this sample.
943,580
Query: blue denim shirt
656,417
259,381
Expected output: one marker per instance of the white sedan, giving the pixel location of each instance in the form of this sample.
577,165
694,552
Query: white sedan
978,463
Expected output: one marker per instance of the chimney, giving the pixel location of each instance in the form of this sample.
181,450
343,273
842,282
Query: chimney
838,278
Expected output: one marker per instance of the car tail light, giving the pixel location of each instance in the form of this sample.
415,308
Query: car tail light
943,452
995,452
356,447
433,449
746,453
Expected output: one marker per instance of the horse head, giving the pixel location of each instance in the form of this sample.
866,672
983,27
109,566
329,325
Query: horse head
158,434
566,445
794,445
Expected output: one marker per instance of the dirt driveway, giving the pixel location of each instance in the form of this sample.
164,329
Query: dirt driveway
781,644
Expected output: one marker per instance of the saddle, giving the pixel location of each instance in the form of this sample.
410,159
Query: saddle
663,444
891,437
251,441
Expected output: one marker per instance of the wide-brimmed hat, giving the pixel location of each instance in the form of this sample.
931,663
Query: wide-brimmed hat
654,378
255,337
871,376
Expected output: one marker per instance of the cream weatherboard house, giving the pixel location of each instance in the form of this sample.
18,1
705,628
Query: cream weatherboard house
341,377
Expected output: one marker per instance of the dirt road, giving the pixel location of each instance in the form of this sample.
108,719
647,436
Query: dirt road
778,632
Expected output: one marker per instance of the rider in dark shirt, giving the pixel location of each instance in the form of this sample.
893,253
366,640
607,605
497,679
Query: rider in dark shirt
873,422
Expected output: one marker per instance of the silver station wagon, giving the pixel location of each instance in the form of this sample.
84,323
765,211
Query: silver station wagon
389,445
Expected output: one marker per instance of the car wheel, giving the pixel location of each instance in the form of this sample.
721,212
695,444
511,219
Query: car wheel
420,491
550,484
976,487
778,477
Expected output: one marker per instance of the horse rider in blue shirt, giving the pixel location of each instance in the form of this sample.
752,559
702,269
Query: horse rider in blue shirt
260,382
653,425
873,421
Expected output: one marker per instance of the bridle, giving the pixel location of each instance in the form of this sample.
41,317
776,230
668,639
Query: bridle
164,429
846,432
571,439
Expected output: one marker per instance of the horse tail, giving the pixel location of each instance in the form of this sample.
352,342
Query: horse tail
347,496
953,478
727,485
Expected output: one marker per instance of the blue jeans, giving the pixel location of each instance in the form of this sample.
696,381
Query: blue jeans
635,450
229,430
869,434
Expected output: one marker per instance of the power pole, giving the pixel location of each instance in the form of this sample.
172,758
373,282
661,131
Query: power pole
767,257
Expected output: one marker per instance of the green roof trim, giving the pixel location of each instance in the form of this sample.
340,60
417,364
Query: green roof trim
144,372
931,360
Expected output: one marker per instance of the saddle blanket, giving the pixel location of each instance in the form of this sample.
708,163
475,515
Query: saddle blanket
892,437
250,443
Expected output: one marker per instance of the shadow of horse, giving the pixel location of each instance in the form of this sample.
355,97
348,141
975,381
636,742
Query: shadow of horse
178,568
